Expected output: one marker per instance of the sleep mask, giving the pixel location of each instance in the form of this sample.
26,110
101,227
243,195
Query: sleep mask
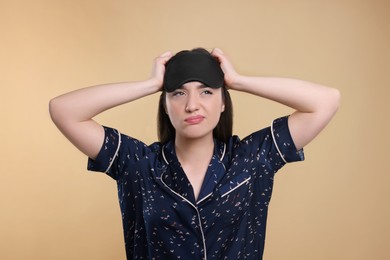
193,65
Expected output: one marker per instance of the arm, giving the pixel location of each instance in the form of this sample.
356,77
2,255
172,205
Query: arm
315,104
73,112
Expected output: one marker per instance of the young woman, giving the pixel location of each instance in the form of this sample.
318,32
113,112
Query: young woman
198,193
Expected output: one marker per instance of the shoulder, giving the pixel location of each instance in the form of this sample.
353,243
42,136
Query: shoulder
124,147
121,152
272,141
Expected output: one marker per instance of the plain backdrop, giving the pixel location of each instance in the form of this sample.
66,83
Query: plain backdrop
335,205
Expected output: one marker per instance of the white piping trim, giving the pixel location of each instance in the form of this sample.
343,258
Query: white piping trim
189,202
239,185
177,194
223,153
277,147
116,152
197,211
205,197
163,154
202,232
220,159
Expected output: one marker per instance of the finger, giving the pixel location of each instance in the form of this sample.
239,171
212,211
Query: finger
165,57
166,54
219,55
217,50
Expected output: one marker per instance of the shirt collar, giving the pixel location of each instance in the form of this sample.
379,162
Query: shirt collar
170,157
174,179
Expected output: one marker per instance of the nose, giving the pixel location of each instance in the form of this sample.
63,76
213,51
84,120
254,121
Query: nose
192,103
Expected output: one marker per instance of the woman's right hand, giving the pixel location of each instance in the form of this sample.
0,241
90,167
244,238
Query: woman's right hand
73,112
158,70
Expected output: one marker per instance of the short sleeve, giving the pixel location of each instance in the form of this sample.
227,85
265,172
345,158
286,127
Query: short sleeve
108,152
283,141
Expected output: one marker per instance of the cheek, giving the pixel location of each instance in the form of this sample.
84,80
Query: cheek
216,112
167,106
220,105
172,110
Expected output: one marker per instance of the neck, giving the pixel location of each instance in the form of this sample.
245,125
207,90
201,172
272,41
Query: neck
194,149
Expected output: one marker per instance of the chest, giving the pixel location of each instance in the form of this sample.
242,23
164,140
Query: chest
161,207
195,174
224,190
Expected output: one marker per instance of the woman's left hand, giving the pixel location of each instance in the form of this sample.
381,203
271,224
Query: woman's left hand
231,76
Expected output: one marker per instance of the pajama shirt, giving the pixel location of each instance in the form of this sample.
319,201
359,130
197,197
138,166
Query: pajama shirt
161,217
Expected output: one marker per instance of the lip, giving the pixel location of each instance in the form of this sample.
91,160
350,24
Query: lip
193,120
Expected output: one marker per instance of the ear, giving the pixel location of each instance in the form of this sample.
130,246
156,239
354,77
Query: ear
223,108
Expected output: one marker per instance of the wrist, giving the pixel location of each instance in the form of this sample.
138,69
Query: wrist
236,82
154,84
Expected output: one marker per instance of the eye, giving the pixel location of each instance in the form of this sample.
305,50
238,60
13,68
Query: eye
177,93
207,92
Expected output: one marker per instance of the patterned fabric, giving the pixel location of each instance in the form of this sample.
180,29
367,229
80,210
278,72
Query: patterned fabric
162,219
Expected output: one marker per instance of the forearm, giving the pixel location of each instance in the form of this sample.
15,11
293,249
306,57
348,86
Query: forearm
300,95
315,104
84,104
73,112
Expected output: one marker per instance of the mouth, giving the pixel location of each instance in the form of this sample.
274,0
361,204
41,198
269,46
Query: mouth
193,120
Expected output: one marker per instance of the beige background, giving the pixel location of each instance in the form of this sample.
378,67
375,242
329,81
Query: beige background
333,206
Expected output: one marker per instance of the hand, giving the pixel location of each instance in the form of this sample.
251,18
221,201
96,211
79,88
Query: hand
158,70
231,76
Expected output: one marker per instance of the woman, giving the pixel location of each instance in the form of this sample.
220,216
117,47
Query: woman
198,193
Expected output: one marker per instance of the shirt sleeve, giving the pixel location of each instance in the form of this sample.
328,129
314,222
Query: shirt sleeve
272,146
117,151
283,141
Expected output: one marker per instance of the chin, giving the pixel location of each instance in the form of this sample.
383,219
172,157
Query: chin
196,135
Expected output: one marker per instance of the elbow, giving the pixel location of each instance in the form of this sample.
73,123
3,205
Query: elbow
52,107
328,103
55,110
334,100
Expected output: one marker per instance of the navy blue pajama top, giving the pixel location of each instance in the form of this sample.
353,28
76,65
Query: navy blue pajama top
162,219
